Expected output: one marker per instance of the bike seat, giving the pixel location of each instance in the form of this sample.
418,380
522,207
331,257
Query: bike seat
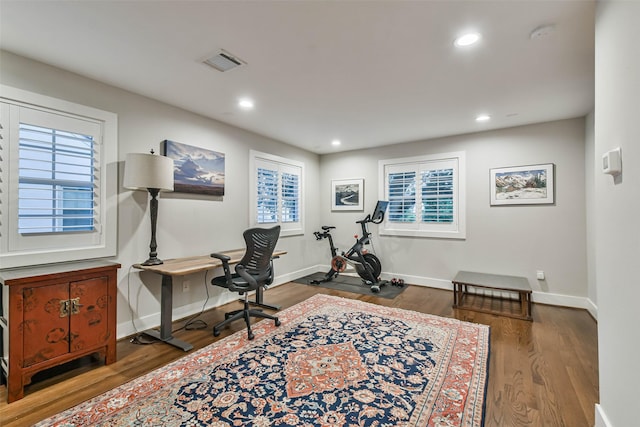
327,227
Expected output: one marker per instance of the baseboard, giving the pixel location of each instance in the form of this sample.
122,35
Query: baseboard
592,309
414,280
539,297
420,280
601,418
290,277
563,301
125,329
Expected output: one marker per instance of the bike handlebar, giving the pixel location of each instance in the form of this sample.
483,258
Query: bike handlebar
364,221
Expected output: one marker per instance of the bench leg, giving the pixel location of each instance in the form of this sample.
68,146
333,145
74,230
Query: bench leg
525,305
455,295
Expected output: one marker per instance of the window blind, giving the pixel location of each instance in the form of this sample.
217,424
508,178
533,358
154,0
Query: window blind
290,197
437,195
402,197
267,196
57,181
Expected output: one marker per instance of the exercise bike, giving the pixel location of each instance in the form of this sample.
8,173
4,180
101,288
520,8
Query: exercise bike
367,265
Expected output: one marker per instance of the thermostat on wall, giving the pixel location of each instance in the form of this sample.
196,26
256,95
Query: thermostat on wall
612,162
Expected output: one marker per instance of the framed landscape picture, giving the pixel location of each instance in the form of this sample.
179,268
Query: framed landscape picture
196,170
523,185
347,194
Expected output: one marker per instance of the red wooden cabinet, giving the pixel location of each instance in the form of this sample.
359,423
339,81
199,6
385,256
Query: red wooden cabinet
53,314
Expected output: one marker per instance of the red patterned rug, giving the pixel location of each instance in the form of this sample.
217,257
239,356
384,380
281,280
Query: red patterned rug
333,362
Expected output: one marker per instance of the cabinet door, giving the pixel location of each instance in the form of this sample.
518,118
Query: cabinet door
88,320
45,326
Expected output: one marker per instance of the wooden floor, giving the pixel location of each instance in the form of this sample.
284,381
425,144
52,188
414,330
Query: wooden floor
542,373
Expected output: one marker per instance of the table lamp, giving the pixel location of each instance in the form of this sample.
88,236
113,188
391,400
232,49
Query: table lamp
152,173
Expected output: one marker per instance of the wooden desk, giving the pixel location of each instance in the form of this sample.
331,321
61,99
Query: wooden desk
464,279
184,267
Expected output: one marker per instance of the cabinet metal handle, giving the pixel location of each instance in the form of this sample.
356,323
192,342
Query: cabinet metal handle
69,307
75,305
64,308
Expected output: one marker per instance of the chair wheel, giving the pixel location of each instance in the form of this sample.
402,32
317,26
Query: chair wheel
251,336
216,332
277,321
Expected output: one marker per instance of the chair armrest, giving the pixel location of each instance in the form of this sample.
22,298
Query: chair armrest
221,257
225,265
242,272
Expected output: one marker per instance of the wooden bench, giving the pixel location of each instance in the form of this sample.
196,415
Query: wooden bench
464,299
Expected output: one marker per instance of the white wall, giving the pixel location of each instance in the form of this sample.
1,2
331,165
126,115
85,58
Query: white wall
512,240
187,224
617,212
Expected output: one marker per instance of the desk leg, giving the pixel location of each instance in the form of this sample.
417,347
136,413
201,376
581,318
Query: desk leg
260,302
166,308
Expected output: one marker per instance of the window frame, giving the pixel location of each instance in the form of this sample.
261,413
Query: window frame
418,164
17,249
258,159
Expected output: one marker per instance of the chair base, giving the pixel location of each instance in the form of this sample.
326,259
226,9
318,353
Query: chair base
245,314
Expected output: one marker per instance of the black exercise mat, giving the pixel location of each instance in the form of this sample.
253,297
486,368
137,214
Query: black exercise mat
351,284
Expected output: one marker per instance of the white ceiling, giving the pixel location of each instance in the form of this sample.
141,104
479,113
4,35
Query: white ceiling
367,72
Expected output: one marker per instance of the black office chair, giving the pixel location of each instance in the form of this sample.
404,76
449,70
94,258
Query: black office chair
255,269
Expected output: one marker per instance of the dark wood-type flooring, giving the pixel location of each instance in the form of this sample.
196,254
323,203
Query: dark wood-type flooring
542,373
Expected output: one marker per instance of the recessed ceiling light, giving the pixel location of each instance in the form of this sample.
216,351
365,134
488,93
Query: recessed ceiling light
467,39
336,142
483,118
246,104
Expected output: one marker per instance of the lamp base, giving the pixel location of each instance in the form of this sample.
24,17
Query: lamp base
152,261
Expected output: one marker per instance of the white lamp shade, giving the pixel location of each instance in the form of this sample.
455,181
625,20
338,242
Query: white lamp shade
143,171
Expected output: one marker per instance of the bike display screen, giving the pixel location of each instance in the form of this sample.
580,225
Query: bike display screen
378,213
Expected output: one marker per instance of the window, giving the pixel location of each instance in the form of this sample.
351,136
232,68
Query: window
276,196
54,180
426,196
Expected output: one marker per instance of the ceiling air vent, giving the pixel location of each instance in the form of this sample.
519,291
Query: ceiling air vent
223,61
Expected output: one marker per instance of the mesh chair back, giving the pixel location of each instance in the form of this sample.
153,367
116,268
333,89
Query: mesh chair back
261,242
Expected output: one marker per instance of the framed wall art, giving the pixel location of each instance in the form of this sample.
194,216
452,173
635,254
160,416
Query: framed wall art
196,170
523,185
347,194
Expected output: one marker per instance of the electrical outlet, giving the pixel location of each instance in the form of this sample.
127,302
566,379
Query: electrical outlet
186,285
540,275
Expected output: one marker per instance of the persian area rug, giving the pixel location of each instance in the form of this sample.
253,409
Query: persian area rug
351,284
333,362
